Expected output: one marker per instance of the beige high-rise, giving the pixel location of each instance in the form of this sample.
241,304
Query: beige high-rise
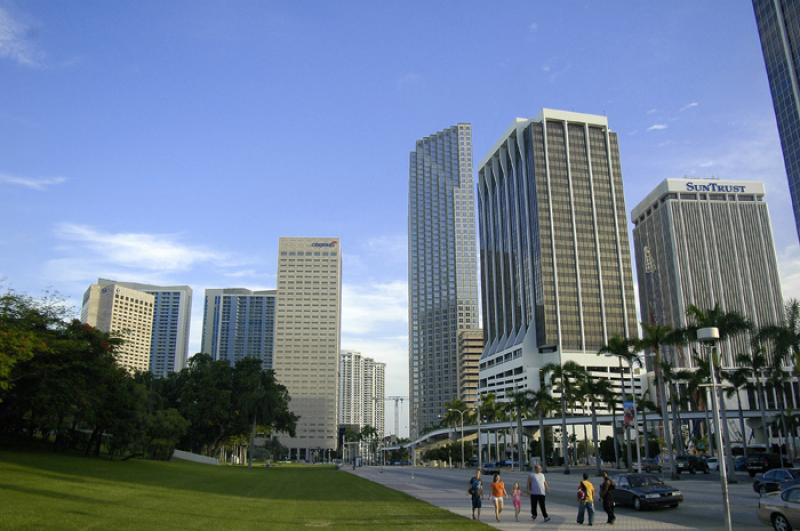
307,336
125,313
470,348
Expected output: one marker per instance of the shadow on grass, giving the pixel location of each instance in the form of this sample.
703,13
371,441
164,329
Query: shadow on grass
291,483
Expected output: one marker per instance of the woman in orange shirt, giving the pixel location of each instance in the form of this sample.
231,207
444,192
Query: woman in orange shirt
498,493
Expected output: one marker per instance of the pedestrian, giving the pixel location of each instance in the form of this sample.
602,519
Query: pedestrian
607,496
516,497
476,492
585,500
538,488
498,494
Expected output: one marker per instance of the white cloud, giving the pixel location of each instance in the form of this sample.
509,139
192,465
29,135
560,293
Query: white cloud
533,27
652,111
789,267
16,43
367,308
657,127
689,105
32,184
149,252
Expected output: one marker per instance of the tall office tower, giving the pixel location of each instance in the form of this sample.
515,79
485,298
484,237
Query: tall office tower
124,313
442,268
361,391
555,259
239,323
307,335
706,242
470,348
779,27
172,315
374,395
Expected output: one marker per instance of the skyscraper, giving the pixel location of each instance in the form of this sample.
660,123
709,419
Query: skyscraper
470,348
307,336
779,27
442,268
706,242
172,311
124,313
361,391
239,323
555,262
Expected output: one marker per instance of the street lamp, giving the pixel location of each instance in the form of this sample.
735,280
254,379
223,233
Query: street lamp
709,337
460,412
635,415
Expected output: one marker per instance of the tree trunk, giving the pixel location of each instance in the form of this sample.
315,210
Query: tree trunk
564,434
614,436
726,438
762,405
741,424
646,436
522,457
670,443
677,432
541,442
594,436
252,444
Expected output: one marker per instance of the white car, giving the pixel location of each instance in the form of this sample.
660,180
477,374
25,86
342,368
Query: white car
713,463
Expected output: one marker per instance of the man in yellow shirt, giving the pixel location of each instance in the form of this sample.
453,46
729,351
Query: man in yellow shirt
586,500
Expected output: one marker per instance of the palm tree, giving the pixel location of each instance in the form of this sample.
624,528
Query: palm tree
625,350
654,338
645,405
521,403
561,381
612,402
696,380
756,365
777,377
593,391
729,324
492,411
739,379
543,404
671,379
785,337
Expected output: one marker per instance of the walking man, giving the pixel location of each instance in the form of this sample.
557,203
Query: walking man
586,500
538,488
606,490
476,492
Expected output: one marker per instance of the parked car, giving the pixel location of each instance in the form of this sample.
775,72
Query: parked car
490,468
776,479
691,464
713,463
781,510
763,462
651,465
642,491
740,463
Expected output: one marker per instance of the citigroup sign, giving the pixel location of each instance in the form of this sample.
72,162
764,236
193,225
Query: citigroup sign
714,187
324,244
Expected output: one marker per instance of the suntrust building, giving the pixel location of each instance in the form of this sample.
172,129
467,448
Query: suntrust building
706,242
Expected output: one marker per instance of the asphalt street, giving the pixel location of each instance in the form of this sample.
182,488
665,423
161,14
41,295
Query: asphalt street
701,509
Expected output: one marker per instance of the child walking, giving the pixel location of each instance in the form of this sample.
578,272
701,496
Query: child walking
516,497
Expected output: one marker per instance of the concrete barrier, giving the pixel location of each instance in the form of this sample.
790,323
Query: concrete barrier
195,458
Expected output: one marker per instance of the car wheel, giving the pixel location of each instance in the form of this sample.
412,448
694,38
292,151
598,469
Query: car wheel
762,490
637,504
780,523
751,474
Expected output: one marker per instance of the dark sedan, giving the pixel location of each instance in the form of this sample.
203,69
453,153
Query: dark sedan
776,479
643,491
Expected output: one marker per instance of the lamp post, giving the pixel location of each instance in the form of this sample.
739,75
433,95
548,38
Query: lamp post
635,416
478,417
708,337
460,412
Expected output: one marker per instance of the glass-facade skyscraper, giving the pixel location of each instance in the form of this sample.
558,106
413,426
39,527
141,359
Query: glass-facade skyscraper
442,268
239,323
779,27
172,313
556,274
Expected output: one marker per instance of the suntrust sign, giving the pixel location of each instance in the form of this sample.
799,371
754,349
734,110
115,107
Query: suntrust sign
714,187
321,244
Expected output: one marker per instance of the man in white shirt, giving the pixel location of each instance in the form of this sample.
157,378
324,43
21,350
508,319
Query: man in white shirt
538,487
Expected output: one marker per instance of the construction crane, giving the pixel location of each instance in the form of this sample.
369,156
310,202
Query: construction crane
398,401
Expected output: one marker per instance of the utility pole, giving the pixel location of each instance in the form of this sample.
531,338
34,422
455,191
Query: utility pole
398,401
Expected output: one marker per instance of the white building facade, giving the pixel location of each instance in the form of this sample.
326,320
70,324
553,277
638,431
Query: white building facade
307,340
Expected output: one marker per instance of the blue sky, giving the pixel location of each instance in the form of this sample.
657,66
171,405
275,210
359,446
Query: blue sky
176,141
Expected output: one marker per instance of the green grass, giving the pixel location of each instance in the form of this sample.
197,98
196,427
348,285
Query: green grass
52,491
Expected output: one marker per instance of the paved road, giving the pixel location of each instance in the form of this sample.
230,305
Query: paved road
701,509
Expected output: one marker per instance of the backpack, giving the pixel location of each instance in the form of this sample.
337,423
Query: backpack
581,494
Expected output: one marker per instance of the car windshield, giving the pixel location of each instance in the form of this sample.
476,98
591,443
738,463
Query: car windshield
795,472
645,481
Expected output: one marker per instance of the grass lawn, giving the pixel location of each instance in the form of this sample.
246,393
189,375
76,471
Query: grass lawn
53,491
